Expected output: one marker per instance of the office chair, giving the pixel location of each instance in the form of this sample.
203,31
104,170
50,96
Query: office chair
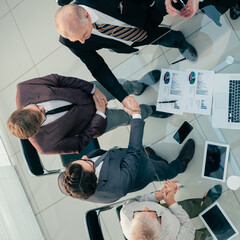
35,164
93,223
67,158
33,160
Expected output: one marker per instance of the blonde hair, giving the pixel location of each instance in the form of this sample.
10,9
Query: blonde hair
24,123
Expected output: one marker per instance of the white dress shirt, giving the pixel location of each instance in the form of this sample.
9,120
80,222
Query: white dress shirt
101,18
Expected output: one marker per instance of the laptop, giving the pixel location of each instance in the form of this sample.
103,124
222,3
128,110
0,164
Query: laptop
226,101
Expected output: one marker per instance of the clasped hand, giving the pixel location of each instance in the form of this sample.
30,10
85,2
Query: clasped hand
100,100
187,11
167,193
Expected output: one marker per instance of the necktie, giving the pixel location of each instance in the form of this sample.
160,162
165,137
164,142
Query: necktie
124,33
60,109
100,159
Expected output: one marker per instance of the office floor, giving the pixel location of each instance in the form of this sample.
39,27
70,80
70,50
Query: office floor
29,48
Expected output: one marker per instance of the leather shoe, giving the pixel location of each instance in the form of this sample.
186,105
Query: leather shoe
189,52
150,151
157,114
213,193
153,156
235,12
149,79
186,154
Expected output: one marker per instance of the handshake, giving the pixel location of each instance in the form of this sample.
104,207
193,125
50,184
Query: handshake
130,105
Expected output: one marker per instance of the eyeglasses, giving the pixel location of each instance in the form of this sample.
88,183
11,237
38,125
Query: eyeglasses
150,211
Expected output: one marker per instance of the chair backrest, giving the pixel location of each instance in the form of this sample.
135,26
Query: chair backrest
92,219
67,158
93,225
32,158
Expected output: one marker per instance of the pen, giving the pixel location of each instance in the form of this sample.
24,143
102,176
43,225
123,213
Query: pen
178,61
172,101
182,3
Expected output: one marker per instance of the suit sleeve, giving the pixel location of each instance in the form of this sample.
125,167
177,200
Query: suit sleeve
76,144
100,71
130,163
55,80
187,231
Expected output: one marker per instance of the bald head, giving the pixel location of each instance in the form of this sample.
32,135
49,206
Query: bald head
69,19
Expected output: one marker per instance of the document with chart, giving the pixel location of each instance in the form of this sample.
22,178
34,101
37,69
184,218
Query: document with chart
185,91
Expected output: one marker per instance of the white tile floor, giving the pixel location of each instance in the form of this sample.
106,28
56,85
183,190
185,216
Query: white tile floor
29,48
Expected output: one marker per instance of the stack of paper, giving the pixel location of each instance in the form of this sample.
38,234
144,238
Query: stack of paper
191,89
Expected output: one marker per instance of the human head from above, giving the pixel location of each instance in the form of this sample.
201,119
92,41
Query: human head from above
73,22
79,179
26,121
145,225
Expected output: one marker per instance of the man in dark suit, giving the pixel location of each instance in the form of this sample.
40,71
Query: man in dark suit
60,115
79,26
113,174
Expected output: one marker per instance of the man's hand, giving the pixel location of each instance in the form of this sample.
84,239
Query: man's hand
190,9
170,190
187,11
170,9
169,185
100,104
100,97
130,105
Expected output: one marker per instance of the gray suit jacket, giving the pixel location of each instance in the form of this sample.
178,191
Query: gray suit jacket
124,170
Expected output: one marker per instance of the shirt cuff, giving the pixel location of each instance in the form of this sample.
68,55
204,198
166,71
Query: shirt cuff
136,115
174,206
93,90
101,114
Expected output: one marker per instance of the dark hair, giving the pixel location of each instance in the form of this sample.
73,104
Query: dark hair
24,123
79,183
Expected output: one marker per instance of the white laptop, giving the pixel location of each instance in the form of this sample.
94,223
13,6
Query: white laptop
226,101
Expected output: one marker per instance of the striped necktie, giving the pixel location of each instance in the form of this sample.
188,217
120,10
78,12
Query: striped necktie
124,33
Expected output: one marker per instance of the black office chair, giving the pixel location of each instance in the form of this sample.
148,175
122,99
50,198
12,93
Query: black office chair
34,162
67,158
93,223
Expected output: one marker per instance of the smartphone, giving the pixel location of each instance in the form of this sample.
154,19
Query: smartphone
182,132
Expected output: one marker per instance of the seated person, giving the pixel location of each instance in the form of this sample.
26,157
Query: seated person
119,171
144,218
61,115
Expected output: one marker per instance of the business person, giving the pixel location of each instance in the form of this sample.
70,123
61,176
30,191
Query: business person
84,28
145,218
60,115
107,176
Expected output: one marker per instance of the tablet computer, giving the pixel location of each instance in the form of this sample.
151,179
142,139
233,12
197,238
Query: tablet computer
215,161
218,223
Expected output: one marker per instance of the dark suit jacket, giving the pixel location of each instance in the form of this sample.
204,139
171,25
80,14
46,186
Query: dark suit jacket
124,170
73,131
134,13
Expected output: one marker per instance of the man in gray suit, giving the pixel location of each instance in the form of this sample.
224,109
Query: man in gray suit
120,171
